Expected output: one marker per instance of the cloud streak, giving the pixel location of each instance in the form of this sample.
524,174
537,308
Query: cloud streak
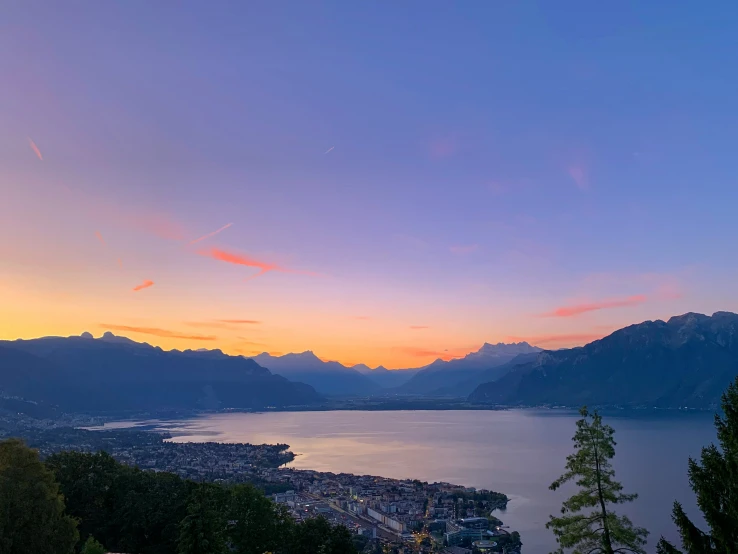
419,327
35,149
146,284
557,340
329,150
239,259
578,309
211,234
222,323
155,331
100,237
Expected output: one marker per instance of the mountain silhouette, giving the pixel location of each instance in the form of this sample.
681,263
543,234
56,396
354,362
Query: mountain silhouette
441,376
330,378
685,362
117,374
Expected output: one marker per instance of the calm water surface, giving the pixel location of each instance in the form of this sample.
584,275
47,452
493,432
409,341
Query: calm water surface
518,452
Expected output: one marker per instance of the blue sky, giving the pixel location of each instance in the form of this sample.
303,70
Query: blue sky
491,162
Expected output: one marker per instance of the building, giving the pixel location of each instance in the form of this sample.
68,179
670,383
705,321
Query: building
397,526
473,528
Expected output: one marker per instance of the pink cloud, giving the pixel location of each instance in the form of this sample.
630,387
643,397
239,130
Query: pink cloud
100,238
155,331
146,284
464,248
579,174
578,309
419,327
35,149
240,259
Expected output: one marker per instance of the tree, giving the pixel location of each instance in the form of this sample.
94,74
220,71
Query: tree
91,546
257,524
601,531
715,482
32,517
202,529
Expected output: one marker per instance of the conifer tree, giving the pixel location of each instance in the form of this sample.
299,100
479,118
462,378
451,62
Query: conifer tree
600,531
714,479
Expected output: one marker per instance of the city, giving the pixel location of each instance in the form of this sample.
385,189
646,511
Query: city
410,514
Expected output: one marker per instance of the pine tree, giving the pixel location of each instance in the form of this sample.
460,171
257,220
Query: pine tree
600,531
715,482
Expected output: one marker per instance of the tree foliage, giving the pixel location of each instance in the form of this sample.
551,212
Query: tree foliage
203,529
32,517
600,531
131,510
714,479
92,546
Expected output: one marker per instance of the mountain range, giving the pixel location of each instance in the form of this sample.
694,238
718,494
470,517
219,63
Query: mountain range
330,378
117,374
460,376
687,361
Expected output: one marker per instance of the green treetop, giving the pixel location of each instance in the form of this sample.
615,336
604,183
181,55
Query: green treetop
715,482
32,517
599,531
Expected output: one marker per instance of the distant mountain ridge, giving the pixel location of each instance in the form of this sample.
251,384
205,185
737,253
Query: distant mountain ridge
686,361
118,374
440,377
330,378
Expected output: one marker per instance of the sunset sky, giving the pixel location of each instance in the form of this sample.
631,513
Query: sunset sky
384,183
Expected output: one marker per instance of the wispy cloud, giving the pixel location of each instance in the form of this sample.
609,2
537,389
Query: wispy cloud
554,340
156,332
35,149
100,237
579,174
240,259
329,150
146,284
222,323
211,234
464,248
419,327
120,263
578,309
361,317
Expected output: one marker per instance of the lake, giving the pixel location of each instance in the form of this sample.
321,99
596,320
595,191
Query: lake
518,452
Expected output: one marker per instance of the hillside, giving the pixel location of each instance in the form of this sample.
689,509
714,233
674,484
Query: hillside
685,362
441,376
330,378
114,374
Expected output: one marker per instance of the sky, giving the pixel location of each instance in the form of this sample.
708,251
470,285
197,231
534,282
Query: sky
380,183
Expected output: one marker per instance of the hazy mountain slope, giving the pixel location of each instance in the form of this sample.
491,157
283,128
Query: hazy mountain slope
326,377
441,375
466,387
386,378
687,361
82,373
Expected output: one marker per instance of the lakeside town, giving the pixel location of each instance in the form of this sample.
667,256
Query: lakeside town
403,515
